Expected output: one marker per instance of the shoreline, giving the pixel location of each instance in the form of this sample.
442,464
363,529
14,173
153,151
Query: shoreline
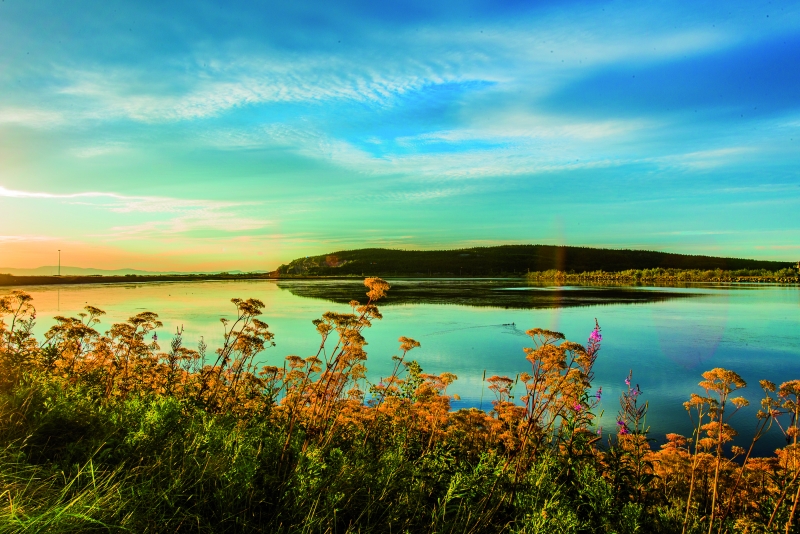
12,281
563,279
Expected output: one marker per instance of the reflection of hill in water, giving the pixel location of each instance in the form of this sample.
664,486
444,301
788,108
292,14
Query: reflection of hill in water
496,293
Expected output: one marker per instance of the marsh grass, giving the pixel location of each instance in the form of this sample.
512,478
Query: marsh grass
787,275
107,432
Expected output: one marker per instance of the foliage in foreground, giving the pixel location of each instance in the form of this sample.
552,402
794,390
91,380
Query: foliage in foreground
107,432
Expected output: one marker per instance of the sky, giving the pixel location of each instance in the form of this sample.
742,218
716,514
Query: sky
198,136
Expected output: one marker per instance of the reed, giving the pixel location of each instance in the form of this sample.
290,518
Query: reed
668,275
105,431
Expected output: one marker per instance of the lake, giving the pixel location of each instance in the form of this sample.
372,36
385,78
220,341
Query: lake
666,336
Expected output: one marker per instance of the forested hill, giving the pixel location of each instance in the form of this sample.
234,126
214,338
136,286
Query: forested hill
506,260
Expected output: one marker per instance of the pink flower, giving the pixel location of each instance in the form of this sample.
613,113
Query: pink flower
577,406
595,336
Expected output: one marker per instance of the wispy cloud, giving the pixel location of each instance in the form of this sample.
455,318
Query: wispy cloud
416,196
32,117
707,159
697,232
763,188
778,247
521,127
177,215
517,155
24,238
102,149
242,82
219,222
11,193
125,203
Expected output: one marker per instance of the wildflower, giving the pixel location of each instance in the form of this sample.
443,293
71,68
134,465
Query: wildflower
155,336
628,381
600,431
595,336
577,406
599,393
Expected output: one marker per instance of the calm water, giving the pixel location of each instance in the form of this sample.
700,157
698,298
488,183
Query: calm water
667,336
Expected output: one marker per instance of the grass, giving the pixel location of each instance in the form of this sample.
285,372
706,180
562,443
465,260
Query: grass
786,275
108,432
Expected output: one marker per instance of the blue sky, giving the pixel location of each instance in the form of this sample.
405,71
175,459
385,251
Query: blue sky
210,135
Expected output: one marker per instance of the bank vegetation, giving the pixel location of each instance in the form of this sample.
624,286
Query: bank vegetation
659,275
111,432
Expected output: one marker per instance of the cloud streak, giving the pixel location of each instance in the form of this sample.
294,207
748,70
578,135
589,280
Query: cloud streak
25,238
179,216
127,204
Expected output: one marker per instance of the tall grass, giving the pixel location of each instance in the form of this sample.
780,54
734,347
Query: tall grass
108,432
787,275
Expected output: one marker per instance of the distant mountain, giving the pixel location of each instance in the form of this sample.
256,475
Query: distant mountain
50,270
506,260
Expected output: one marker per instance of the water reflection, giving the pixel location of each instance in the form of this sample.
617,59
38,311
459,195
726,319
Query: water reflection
498,293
